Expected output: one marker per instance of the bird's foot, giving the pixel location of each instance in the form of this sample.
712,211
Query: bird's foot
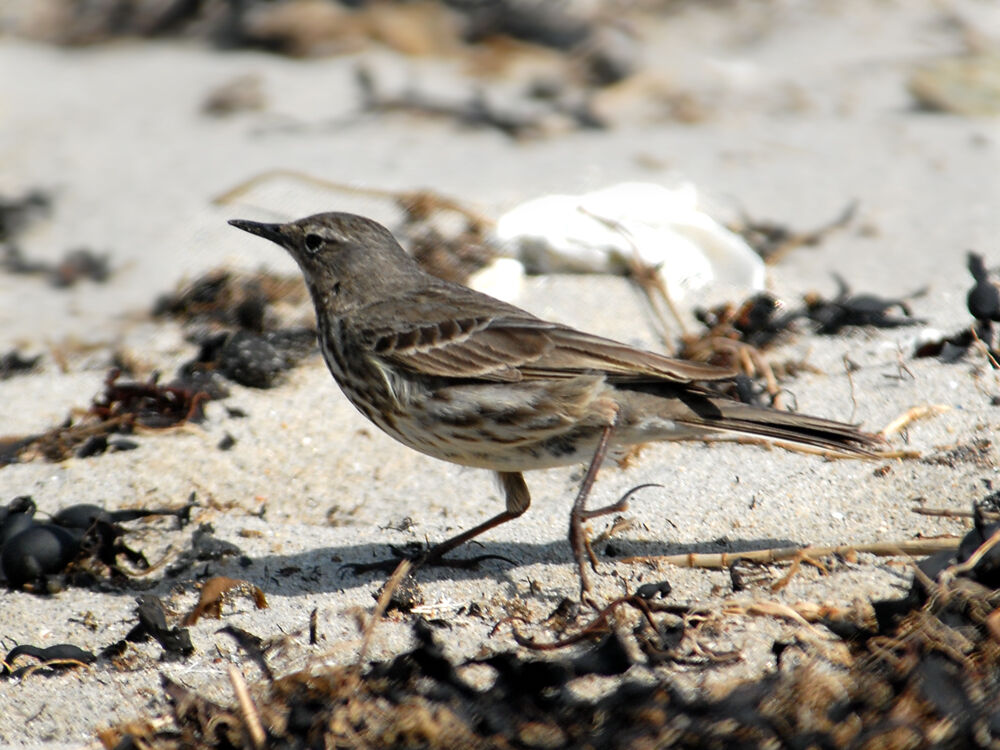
583,552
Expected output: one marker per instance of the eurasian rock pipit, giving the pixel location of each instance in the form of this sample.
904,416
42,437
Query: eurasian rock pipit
467,378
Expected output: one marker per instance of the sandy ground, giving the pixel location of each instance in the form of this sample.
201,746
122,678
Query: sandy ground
809,112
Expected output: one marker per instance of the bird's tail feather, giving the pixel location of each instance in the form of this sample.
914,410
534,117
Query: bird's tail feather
734,416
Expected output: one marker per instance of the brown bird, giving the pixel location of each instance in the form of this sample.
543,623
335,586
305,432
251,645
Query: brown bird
466,378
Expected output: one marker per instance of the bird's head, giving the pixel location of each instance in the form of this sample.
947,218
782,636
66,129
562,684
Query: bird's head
347,260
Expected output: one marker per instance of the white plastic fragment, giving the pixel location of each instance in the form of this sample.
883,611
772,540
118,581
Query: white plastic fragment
604,231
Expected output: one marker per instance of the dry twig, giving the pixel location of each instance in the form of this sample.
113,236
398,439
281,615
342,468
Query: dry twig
416,203
912,415
402,570
779,554
251,717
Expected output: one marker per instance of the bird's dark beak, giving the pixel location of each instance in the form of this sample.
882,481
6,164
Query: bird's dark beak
271,232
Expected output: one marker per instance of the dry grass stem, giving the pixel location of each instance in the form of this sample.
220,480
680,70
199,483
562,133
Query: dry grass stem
780,554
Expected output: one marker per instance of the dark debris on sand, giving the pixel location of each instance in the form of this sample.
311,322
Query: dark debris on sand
301,29
847,308
14,363
75,265
924,672
152,624
122,408
585,52
983,304
17,213
82,544
738,336
231,317
230,299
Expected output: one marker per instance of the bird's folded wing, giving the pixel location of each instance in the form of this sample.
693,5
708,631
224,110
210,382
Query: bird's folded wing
513,347
574,352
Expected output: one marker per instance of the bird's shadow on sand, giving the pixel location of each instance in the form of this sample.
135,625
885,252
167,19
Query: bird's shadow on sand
329,569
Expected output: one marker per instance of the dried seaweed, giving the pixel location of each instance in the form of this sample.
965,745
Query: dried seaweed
14,363
81,263
773,240
227,298
81,544
230,316
218,590
925,673
122,407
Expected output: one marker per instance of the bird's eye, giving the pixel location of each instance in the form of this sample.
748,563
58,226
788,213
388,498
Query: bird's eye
313,242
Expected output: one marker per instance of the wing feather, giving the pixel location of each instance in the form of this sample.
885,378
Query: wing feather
468,335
